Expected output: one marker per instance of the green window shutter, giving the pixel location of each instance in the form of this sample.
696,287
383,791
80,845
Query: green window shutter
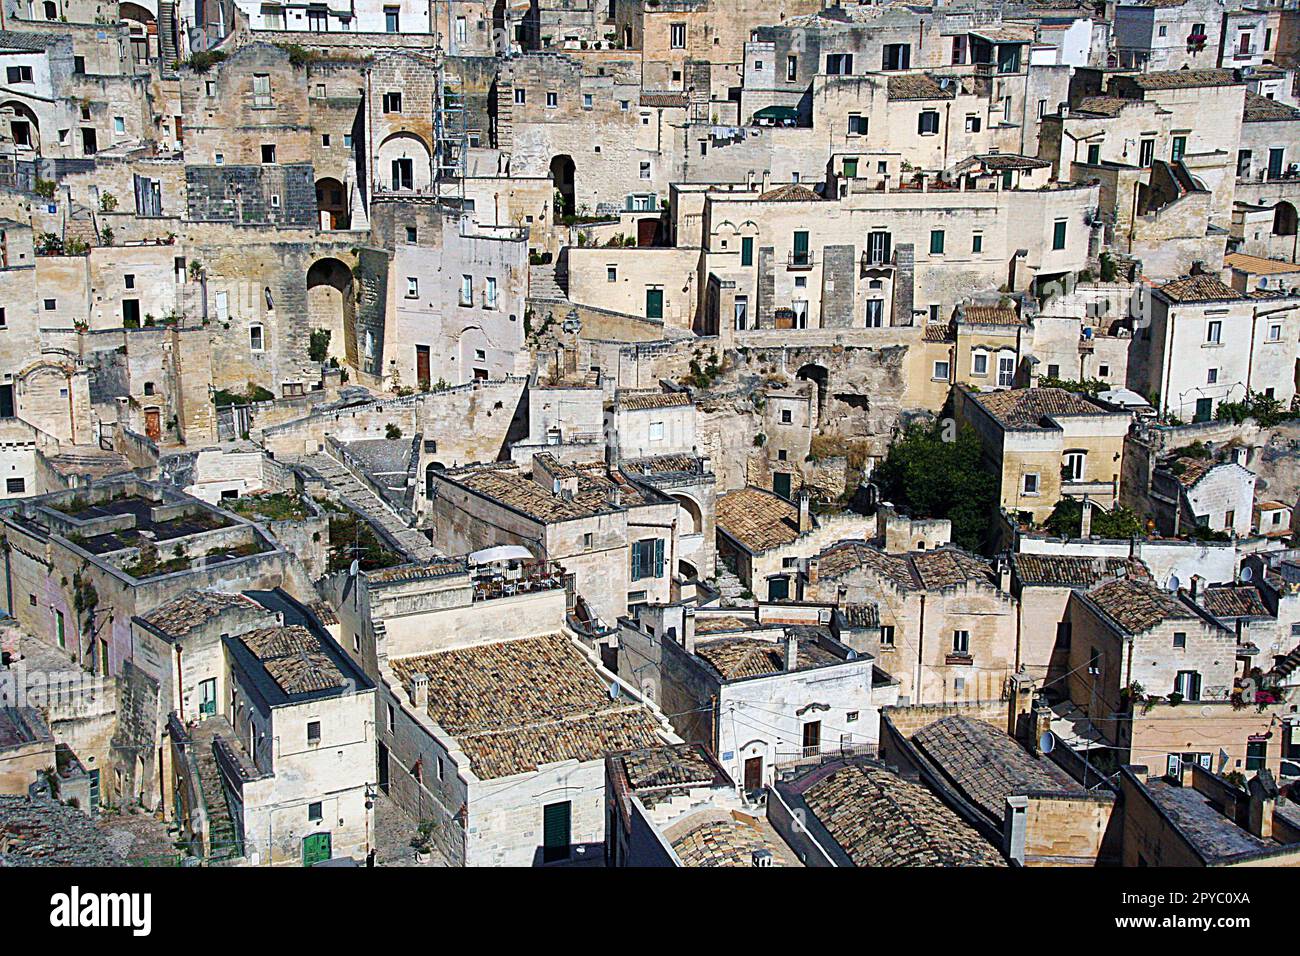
636,561
659,557
747,251
1058,235
800,247
936,242
555,831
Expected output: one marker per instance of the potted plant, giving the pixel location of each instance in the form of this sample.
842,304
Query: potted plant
422,842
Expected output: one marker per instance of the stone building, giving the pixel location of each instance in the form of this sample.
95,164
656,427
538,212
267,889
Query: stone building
760,694
1047,444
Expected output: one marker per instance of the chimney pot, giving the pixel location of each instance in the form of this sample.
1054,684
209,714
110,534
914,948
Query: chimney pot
420,690
805,512
791,652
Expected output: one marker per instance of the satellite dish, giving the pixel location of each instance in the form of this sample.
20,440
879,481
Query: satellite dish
1247,574
1047,742
354,568
1174,583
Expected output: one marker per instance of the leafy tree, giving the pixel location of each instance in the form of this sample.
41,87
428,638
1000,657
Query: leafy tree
318,348
933,473
1065,521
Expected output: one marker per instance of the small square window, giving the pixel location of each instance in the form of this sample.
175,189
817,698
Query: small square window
325,140
50,305
552,99
1180,639
851,716
315,812
412,287
411,235
1031,484
268,153
129,279
521,96
941,371
611,273
313,732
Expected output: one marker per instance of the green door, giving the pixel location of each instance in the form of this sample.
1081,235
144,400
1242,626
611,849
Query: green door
556,831
850,169
800,248
781,484
1204,409
315,849
654,303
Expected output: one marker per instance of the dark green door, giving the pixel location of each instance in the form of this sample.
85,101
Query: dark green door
556,831
315,849
654,303
800,248
1204,409
781,484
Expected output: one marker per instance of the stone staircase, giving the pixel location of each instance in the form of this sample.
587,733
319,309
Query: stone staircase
167,51
545,284
729,586
358,495
223,838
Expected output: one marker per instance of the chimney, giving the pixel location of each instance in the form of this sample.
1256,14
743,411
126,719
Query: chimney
767,181
1004,575
1019,710
688,630
1263,800
1085,523
805,513
614,496
420,691
791,651
814,570
1198,595
749,181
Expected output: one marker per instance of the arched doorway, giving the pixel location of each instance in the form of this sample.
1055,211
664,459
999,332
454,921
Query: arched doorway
563,173
820,377
331,202
689,518
331,307
404,164
22,125
1284,219
429,471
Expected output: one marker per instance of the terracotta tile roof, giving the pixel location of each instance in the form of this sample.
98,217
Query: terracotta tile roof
1258,265
988,315
987,765
49,833
324,613
516,705
935,570
294,659
1101,105
735,658
861,615
1199,288
719,842
1189,471
1025,408
190,609
416,572
1182,79
636,401
758,519
1011,161
919,86
791,192
670,766
880,819
1234,600
937,332
1137,606
508,487
667,99
717,623
1075,571
1260,109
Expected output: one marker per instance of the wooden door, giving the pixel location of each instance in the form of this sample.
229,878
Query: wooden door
812,738
316,849
422,367
754,773
556,831
152,424
646,230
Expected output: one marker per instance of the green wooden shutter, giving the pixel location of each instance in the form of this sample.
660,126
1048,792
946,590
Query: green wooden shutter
654,303
659,557
747,251
636,561
555,831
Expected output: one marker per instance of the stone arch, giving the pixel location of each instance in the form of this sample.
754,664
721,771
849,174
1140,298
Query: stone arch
332,203
564,174
1284,219
405,164
331,305
690,514
431,469
819,376
473,340
687,570
16,112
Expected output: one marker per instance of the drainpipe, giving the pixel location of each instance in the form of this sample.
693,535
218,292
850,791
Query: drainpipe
920,648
